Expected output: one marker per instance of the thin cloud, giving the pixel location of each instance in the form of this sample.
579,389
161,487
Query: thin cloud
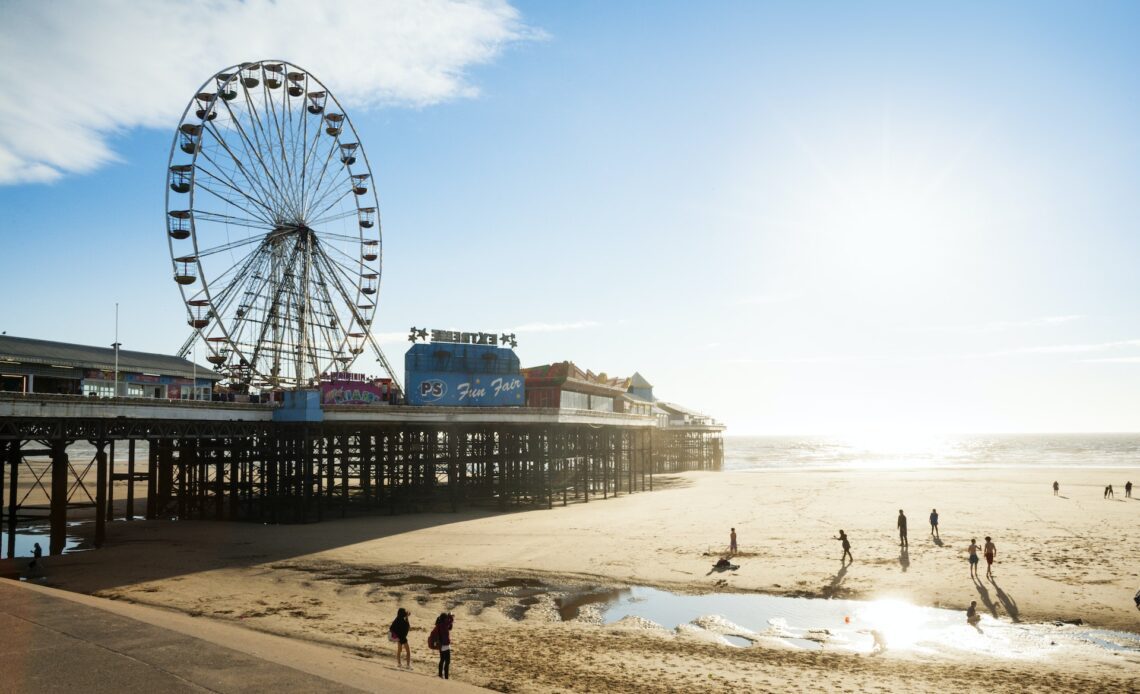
1018,351
1112,360
999,326
553,327
76,72
766,299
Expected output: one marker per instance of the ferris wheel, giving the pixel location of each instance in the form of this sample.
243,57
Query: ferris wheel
273,227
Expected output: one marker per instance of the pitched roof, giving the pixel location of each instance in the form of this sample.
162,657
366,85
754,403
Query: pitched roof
638,381
31,351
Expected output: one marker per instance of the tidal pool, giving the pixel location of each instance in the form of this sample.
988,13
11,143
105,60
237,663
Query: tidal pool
853,625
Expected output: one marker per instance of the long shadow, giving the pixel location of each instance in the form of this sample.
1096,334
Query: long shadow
985,596
938,541
203,546
836,583
904,559
1007,602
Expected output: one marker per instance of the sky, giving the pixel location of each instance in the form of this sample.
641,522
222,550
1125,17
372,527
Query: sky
810,217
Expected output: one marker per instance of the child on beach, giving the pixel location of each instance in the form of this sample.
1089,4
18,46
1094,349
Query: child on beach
732,541
972,617
990,552
846,547
934,522
399,631
973,550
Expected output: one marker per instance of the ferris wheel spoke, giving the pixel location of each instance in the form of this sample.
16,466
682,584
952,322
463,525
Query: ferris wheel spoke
323,187
251,149
335,202
217,193
259,224
358,318
264,149
332,218
228,246
253,181
272,120
331,236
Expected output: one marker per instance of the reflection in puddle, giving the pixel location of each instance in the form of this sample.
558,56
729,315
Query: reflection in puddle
851,625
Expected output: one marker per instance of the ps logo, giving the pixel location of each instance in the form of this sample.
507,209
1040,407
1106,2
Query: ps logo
432,390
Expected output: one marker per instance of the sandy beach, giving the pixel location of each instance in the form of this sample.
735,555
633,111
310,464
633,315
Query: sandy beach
338,583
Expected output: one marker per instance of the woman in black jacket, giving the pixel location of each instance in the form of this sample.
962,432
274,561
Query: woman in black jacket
399,631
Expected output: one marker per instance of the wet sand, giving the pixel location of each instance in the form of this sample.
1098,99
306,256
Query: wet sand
340,582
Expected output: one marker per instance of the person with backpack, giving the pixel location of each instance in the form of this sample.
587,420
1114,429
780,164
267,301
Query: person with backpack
440,640
398,632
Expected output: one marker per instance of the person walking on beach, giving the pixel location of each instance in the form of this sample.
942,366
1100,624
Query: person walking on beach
1128,489
990,552
934,523
902,529
1056,488
732,541
399,632
973,550
846,547
442,635
1108,492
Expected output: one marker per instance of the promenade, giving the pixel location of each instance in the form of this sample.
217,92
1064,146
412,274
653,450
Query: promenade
53,641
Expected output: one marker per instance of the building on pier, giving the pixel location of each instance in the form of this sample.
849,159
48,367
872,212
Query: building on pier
40,366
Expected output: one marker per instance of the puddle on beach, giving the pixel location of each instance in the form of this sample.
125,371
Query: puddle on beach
27,536
846,625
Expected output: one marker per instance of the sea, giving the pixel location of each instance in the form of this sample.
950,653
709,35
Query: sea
759,453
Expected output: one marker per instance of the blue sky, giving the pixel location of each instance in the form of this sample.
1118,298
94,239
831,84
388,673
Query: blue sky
800,217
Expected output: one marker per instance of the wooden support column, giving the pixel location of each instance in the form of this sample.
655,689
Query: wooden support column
131,480
13,463
151,481
102,482
58,513
111,483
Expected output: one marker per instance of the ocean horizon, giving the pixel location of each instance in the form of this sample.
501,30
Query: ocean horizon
942,451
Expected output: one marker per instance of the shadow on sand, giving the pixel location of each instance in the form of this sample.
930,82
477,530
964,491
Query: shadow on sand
938,541
836,584
1007,602
985,596
904,559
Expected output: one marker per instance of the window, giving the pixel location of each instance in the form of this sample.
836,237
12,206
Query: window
99,389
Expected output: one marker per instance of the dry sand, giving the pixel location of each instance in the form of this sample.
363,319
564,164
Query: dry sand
340,582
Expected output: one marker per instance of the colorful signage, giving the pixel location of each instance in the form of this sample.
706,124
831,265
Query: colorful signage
353,393
465,390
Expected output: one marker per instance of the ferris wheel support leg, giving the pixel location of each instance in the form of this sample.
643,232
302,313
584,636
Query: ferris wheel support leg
385,365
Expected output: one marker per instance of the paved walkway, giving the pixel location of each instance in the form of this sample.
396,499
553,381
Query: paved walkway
53,641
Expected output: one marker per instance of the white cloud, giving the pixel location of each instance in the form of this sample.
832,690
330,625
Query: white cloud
76,72
1112,360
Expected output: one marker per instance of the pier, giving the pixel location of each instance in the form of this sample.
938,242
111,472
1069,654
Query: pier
64,457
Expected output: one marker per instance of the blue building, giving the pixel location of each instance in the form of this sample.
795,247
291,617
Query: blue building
463,375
